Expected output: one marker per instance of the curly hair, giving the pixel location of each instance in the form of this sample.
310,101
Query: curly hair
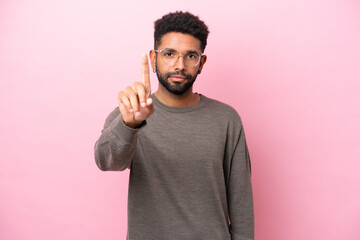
183,22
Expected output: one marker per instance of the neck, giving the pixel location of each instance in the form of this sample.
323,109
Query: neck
188,99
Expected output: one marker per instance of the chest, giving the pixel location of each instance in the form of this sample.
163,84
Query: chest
183,142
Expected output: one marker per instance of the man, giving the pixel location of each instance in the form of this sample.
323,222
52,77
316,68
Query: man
187,154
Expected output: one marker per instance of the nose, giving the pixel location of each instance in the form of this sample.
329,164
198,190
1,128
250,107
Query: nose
180,64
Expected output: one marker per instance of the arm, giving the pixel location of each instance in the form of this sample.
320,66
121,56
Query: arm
239,189
115,148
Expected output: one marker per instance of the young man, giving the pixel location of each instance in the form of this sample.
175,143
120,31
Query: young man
187,154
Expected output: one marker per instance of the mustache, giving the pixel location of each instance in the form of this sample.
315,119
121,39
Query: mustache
179,73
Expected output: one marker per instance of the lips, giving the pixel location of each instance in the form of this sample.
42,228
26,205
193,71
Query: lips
177,78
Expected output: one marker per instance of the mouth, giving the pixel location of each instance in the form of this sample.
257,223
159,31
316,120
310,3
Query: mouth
177,78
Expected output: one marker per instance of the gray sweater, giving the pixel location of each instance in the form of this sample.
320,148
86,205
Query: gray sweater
189,172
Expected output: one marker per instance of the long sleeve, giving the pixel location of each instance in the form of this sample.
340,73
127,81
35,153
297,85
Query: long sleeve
115,148
239,188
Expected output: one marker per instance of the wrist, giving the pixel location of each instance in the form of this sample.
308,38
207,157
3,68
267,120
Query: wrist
134,125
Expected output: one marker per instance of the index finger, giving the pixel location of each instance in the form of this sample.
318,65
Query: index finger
145,74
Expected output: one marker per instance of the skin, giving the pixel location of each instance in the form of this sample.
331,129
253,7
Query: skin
135,103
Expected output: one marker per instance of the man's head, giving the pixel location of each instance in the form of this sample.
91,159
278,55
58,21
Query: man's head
180,40
183,23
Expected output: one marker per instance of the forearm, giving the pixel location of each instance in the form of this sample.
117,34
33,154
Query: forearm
115,148
240,196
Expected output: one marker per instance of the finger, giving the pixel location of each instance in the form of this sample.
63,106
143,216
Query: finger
125,114
149,102
133,97
145,74
125,100
150,105
140,89
145,112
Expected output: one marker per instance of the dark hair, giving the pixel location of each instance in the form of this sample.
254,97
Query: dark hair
183,22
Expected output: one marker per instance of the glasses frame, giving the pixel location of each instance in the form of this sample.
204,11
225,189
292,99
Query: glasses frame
180,55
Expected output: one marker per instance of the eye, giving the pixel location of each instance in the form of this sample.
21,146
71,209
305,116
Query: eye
168,54
192,57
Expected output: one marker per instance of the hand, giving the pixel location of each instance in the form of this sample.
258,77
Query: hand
135,102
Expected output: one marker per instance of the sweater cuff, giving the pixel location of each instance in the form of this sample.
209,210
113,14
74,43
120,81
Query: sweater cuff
125,133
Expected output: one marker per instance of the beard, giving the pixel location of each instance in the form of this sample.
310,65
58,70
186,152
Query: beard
176,88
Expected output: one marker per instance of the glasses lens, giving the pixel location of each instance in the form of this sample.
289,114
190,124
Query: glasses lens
171,57
191,59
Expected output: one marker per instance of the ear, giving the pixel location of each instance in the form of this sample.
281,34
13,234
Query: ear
202,62
152,55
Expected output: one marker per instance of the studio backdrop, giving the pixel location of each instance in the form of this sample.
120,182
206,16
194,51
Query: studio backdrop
290,68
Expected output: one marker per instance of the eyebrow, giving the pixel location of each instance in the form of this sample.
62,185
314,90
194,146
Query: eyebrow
192,51
173,50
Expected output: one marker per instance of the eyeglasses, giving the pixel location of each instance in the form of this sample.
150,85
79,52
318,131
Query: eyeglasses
171,56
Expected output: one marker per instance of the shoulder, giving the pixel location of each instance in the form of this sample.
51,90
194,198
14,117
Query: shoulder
222,113
221,108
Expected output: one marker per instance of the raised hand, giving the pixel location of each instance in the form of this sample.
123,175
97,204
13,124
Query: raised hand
135,102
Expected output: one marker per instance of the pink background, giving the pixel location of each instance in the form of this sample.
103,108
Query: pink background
291,68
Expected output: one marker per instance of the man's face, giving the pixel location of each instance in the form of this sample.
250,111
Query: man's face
177,78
